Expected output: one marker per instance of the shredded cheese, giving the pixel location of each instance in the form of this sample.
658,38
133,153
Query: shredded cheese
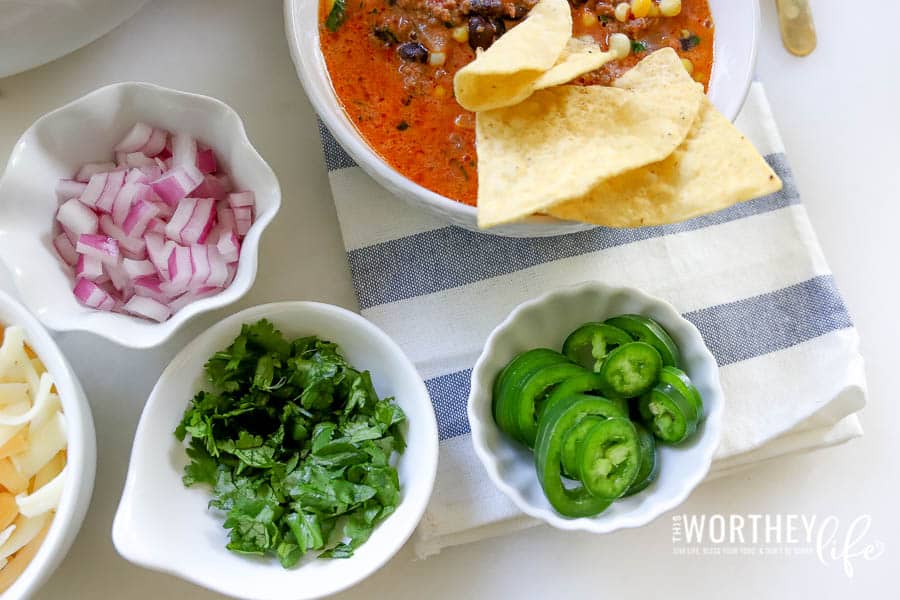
33,443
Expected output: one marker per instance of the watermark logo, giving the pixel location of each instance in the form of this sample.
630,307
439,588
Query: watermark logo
830,540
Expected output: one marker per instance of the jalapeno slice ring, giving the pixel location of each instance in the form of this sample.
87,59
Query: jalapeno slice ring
668,414
510,381
583,383
552,428
645,329
573,438
679,380
589,344
630,370
609,458
649,470
526,403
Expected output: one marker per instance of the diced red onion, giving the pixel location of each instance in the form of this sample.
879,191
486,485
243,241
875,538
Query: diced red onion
135,139
228,245
243,219
65,249
92,295
156,225
158,250
184,150
76,219
94,189
140,215
148,308
225,181
138,268
69,188
119,279
156,143
131,266
206,160
88,267
180,268
241,200
138,159
133,246
114,182
177,183
210,187
103,247
85,173
225,216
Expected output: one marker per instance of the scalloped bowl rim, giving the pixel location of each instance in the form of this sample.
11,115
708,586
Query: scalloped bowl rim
602,523
126,524
105,324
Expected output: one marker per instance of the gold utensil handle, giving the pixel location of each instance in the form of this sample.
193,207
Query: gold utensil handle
798,33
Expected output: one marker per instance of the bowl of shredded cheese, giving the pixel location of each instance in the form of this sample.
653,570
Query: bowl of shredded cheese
47,453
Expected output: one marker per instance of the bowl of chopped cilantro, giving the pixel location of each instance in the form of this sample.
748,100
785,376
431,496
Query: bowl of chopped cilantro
287,452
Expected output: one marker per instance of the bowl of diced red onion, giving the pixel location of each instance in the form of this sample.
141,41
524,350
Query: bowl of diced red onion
132,209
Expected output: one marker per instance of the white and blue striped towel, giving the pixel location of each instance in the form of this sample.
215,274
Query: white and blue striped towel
752,278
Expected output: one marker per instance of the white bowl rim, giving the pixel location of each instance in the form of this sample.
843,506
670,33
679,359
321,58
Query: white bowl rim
371,162
156,334
246,315
81,452
597,524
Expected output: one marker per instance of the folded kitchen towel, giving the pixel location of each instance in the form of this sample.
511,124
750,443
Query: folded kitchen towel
752,278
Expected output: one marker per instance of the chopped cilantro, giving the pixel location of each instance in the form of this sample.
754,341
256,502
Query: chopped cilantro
691,41
337,15
402,126
295,445
638,47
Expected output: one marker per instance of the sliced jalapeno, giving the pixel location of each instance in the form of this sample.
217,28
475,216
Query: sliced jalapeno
572,439
583,383
512,378
649,470
552,428
668,414
630,370
645,329
526,403
609,458
679,380
589,344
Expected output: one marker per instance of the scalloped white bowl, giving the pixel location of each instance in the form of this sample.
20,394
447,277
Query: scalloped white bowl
85,130
162,525
81,463
545,322
737,30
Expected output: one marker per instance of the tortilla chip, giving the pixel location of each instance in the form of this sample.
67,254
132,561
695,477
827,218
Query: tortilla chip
504,74
578,57
715,167
562,141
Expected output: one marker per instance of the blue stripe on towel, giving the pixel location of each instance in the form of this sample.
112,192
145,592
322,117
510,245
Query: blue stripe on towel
733,332
450,257
335,155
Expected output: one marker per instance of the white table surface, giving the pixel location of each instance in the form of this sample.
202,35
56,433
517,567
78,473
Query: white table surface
839,112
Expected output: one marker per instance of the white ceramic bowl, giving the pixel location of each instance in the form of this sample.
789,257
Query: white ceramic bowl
164,526
85,131
33,33
81,452
737,25
544,323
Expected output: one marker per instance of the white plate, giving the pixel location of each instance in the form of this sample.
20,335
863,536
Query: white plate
162,525
737,27
36,32
544,323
